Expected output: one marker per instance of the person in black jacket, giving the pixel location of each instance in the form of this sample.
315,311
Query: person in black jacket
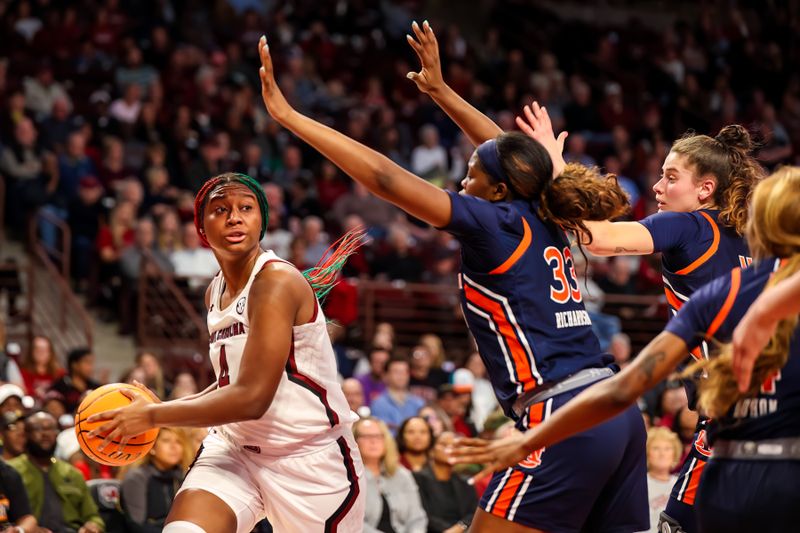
148,489
448,499
15,509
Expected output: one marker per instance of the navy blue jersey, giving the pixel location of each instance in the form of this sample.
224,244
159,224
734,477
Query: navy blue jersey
714,311
695,249
520,296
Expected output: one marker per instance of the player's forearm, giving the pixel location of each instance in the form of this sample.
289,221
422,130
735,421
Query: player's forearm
610,397
224,405
200,394
475,125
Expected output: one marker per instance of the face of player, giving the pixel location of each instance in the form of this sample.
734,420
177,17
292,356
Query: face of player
680,189
417,436
232,219
370,441
478,183
167,451
660,456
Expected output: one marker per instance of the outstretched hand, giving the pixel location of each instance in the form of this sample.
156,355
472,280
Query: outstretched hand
429,78
537,125
494,455
276,103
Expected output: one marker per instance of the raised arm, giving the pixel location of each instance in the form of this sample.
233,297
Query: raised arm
618,238
591,407
376,172
759,323
475,125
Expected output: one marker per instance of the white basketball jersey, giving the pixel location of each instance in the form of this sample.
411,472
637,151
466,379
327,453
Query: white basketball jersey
309,406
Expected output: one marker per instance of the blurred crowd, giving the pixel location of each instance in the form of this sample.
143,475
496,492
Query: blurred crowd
112,115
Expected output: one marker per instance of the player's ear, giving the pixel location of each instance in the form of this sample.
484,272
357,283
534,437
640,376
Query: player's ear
499,192
706,188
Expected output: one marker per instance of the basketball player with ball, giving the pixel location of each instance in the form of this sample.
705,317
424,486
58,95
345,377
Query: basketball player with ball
281,444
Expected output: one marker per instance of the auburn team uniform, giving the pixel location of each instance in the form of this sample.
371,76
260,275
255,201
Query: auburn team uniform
522,304
695,250
752,481
298,465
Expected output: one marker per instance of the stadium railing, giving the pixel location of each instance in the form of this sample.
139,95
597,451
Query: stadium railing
54,309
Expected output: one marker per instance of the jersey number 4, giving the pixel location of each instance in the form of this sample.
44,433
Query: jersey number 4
566,282
224,377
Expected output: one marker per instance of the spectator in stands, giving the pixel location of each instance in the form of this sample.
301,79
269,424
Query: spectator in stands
58,126
453,399
30,172
53,403
9,370
664,450
377,214
144,245
73,166
392,499
112,170
13,113
436,418
483,400
148,489
414,442
354,393
78,379
11,399
449,501
278,239
12,430
126,109
330,185
84,215
621,349
425,379
316,240
672,400
159,194
43,90
170,232
15,513
292,169
193,259
373,380
40,367
399,261
58,494
153,374
429,158
185,385
396,403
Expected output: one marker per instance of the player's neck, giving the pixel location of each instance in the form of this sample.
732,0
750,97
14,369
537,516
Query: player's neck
237,270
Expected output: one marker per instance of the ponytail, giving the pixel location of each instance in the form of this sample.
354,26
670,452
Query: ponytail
580,193
323,276
728,158
576,195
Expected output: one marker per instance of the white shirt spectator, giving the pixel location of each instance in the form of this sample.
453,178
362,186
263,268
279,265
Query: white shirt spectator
279,241
199,262
125,112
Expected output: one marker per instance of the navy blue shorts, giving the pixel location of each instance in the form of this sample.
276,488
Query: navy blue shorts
594,481
681,501
760,496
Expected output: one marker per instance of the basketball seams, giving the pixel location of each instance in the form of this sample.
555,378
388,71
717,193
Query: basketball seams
117,457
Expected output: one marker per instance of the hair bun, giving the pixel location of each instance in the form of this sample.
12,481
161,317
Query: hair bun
735,136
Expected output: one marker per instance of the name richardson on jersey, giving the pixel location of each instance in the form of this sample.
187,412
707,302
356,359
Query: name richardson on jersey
237,328
571,319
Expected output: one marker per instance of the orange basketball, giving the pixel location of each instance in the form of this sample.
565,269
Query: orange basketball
102,399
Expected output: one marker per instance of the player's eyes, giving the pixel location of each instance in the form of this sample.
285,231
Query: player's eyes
219,210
